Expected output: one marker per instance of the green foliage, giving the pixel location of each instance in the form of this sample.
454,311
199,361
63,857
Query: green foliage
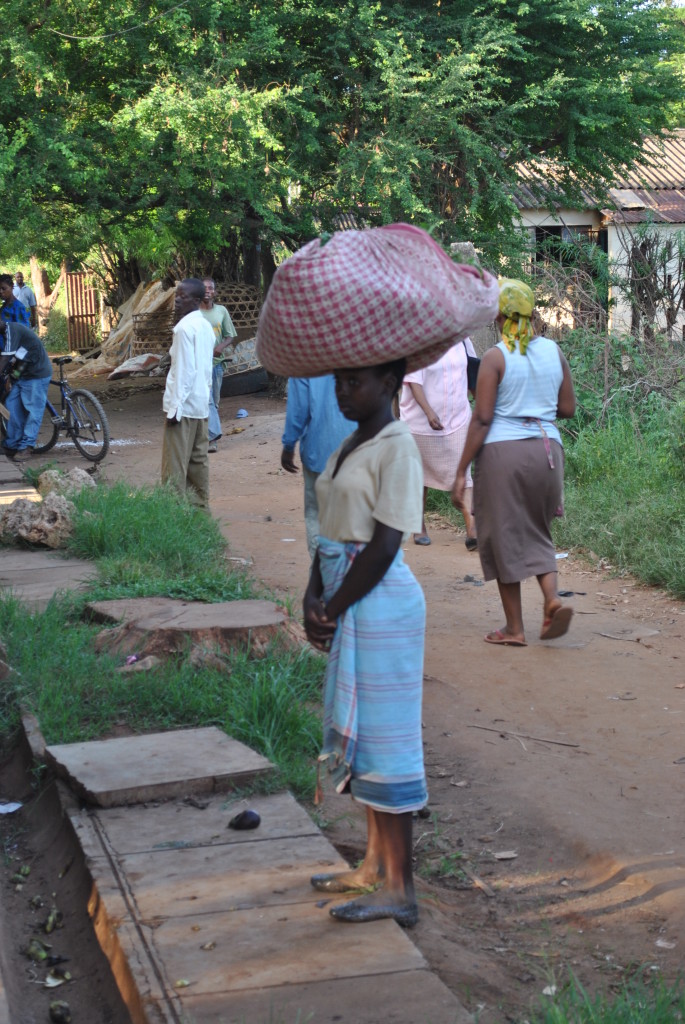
625,459
156,136
57,327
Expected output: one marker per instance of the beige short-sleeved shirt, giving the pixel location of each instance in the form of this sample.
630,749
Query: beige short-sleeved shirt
380,481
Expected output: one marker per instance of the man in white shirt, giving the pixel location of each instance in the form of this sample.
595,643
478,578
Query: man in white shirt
25,295
185,462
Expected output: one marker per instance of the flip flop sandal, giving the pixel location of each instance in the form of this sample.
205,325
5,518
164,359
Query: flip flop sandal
471,543
500,638
557,624
423,539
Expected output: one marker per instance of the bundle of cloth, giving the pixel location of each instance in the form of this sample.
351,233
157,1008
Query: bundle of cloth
363,298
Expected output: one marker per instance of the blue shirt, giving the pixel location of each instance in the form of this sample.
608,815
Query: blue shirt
15,312
313,418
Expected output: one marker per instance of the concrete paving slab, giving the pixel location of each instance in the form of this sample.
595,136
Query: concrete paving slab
176,883
9,492
177,897
286,945
135,769
416,996
36,576
11,472
178,824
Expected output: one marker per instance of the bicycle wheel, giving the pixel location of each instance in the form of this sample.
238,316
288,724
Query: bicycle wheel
87,425
48,433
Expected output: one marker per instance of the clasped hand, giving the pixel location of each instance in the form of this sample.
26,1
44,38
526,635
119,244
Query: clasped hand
318,627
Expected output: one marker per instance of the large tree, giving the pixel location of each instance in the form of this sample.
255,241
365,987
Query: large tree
168,136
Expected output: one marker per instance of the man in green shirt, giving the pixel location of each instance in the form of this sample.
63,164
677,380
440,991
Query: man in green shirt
225,335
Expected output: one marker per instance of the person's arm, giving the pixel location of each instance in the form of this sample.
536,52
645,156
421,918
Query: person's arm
228,334
367,570
185,372
489,377
317,625
5,382
419,396
297,416
566,401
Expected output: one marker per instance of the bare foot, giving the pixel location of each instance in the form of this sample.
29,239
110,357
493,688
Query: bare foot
360,880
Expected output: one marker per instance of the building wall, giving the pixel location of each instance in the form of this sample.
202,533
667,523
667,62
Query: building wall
619,244
559,218
619,240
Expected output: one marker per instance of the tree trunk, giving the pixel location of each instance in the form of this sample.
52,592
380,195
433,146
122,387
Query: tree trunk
45,295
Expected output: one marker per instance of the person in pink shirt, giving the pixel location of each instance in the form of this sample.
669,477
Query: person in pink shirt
435,406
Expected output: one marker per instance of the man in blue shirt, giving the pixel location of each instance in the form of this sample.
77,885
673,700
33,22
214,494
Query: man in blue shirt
12,311
313,418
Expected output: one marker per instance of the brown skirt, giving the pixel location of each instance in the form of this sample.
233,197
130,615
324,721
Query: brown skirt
516,495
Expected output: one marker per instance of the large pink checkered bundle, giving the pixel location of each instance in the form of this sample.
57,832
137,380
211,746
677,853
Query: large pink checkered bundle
368,297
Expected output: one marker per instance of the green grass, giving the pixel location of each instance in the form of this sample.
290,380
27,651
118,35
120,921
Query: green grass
145,542
268,703
439,503
635,1003
625,501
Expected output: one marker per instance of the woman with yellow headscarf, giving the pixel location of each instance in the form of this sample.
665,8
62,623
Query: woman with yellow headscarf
524,385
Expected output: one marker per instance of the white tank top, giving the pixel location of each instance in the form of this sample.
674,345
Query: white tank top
528,393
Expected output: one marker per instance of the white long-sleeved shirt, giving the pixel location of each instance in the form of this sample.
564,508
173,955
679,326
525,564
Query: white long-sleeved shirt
190,376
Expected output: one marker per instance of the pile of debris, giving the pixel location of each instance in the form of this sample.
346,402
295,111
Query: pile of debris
47,523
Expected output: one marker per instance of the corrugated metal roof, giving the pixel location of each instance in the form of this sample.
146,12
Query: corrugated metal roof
653,189
663,165
535,179
661,206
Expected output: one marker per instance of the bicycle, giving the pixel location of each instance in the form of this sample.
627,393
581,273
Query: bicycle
81,417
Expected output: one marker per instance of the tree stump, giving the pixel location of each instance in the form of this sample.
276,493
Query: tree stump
163,627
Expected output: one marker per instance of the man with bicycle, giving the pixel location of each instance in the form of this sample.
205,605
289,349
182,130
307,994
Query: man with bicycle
25,373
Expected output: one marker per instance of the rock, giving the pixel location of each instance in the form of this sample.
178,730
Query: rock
64,483
47,523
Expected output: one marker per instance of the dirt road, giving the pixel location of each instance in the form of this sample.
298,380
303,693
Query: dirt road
556,771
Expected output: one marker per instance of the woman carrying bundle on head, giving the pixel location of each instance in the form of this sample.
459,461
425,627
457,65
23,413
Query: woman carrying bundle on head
343,306
524,385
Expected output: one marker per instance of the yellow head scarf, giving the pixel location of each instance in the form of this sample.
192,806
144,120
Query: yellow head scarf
516,303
